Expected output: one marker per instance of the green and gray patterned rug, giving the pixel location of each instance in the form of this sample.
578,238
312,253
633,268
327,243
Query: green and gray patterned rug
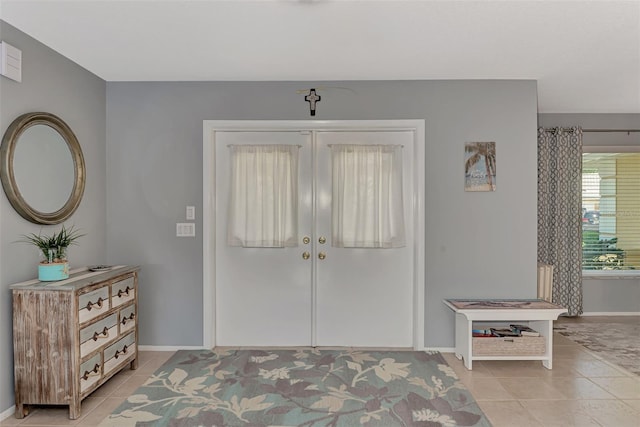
304,387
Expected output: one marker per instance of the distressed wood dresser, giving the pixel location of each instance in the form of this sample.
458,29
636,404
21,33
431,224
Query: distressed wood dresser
71,336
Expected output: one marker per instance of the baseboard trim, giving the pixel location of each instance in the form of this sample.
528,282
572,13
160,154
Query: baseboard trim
7,413
611,313
169,347
441,349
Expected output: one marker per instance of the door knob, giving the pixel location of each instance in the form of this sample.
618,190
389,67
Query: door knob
306,240
322,255
322,240
305,255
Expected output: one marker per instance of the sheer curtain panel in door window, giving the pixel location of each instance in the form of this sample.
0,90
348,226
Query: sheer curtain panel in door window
263,208
367,202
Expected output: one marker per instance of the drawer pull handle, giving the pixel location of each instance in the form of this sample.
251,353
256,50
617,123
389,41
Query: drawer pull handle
125,292
119,352
98,303
126,319
92,373
103,334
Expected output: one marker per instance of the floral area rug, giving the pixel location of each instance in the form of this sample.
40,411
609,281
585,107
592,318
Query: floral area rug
618,343
305,387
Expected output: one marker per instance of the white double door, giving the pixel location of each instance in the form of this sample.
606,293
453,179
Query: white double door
314,293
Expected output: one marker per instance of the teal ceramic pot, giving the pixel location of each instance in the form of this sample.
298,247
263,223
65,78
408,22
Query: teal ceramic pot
52,272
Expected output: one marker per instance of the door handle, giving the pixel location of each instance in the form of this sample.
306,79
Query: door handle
322,255
306,255
322,240
306,240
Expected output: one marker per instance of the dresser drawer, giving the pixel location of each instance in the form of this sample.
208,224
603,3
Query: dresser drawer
123,291
127,319
118,352
90,372
98,334
92,304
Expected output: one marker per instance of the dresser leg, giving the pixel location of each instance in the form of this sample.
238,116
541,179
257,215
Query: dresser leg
134,364
74,409
21,410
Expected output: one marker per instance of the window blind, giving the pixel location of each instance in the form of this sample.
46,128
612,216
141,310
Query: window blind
611,211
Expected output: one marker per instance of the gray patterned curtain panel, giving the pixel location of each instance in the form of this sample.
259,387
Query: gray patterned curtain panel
559,212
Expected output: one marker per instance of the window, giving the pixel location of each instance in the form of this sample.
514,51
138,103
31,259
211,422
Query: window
610,210
263,208
367,205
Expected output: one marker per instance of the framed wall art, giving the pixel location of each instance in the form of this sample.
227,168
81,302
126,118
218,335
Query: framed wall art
480,166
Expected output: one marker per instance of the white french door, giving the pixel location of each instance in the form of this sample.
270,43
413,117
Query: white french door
363,295
263,295
312,293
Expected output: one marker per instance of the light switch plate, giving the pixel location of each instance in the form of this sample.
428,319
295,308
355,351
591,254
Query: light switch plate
191,212
185,229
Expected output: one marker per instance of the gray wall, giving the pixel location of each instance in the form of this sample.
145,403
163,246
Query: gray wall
53,84
477,244
614,295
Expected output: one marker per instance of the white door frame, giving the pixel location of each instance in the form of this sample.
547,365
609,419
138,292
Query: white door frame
210,127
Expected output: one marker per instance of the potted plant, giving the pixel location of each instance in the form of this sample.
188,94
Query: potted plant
55,265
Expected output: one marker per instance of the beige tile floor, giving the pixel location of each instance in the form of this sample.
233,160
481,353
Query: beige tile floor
581,390
101,402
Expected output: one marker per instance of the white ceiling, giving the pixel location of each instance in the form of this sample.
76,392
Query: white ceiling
585,55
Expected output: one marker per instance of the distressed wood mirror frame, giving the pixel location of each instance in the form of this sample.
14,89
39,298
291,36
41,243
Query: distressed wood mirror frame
11,139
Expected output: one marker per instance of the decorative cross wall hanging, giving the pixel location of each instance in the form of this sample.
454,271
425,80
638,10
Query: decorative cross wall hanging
312,98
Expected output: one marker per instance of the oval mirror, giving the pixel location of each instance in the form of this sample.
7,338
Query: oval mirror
43,172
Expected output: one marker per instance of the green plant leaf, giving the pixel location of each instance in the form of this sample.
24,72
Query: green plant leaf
57,242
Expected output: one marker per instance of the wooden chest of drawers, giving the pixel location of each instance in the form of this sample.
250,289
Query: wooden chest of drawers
70,337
